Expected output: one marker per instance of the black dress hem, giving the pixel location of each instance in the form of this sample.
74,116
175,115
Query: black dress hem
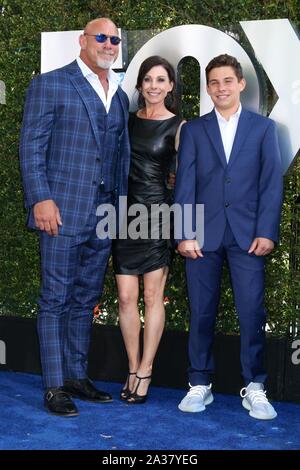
129,272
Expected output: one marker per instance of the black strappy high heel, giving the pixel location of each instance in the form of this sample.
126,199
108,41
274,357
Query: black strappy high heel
136,399
126,392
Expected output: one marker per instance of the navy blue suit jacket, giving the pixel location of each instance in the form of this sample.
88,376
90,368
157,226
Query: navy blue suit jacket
246,192
60,146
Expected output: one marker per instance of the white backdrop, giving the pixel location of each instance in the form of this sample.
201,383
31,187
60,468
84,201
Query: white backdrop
62,47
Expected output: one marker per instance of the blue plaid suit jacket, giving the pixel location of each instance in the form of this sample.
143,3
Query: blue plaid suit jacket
60,146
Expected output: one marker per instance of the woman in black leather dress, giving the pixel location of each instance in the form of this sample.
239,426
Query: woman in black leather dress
154,134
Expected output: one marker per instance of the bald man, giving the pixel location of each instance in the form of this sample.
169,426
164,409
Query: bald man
74,155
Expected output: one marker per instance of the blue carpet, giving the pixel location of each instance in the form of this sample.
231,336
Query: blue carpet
156,425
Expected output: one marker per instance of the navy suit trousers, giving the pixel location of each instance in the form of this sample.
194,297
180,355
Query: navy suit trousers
73,270
204,282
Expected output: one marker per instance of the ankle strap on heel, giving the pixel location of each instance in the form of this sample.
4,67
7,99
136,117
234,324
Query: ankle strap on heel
139,381
142,378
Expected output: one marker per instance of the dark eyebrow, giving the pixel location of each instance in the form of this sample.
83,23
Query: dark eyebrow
216,79
159,76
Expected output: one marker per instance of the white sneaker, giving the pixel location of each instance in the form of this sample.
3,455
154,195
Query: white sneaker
196,399
256,402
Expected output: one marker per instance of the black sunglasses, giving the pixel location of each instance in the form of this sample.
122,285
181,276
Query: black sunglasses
114,40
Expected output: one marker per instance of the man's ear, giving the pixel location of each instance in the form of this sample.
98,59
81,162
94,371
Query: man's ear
243,84
82,41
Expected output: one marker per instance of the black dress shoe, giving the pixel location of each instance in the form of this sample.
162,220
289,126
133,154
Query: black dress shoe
59,403
85,390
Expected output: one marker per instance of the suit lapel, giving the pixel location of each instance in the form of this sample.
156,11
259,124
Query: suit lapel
213,131
123,104
242,131
87,95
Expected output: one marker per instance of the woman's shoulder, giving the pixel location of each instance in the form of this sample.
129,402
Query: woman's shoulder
132,114
180,120
131,120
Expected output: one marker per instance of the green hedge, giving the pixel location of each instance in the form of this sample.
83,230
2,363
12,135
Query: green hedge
21,22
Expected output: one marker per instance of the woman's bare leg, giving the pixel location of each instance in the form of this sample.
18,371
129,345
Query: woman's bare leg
154,284
128,292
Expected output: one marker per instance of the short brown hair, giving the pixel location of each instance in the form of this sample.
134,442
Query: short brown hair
224,60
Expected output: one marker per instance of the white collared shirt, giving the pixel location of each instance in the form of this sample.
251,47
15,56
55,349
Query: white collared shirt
228,130
94,81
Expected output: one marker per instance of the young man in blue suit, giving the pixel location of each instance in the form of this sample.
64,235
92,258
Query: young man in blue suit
74,156
229,161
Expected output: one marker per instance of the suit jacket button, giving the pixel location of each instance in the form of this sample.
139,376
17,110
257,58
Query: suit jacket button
228,180
227,204
97,159
94,183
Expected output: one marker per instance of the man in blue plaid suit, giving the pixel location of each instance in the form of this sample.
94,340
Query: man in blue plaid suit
75,155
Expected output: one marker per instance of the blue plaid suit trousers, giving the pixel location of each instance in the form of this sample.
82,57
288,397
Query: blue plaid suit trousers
73,275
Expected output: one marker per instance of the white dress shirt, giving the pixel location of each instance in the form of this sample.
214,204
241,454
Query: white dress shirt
228,130
93,79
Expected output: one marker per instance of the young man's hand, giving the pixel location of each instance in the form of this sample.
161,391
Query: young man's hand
190,249
261,246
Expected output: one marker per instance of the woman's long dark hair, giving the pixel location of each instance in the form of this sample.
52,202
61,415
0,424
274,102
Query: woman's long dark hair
154,61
